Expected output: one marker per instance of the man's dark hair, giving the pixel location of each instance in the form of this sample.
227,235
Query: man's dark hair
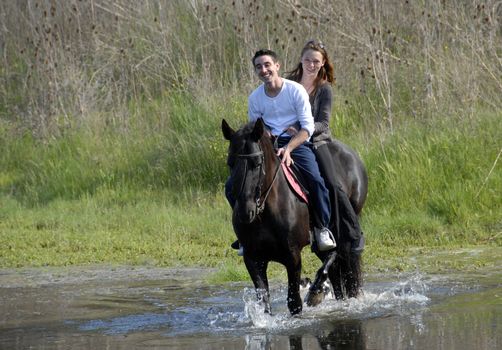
265,52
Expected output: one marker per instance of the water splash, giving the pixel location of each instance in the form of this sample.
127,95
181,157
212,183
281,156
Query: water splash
377,300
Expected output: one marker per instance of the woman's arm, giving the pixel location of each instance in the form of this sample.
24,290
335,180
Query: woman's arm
323,113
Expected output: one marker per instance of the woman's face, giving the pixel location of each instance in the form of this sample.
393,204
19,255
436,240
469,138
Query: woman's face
312,61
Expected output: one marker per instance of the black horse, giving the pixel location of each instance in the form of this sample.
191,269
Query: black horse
273,224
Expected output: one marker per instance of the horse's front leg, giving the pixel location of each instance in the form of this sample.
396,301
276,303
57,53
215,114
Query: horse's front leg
294,298
257,270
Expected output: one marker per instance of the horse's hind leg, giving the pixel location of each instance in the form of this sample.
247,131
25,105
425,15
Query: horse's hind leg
335,277
257,270
352,276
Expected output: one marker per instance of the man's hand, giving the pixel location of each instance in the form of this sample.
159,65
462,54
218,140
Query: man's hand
295,141
285,154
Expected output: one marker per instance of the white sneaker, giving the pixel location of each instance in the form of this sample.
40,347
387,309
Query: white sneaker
325,239
240,249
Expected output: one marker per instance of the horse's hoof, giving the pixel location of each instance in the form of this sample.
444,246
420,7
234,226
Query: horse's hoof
314,298
305,282
296,311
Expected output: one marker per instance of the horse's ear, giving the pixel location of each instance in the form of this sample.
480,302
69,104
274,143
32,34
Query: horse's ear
258,129
228,132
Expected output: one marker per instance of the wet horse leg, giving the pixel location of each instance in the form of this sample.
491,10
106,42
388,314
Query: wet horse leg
316,292
294,298
352,278
257,270
335,277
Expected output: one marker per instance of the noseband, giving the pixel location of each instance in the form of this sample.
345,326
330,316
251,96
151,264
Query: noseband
259,202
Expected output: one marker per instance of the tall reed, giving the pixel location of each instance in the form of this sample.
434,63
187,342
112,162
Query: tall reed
63,61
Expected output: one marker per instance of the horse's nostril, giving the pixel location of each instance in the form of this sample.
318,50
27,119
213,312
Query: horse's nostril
251,215
246,215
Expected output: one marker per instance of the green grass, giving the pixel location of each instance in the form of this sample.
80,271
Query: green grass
150,231
153,194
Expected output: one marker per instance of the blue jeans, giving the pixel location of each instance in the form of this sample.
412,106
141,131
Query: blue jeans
305,160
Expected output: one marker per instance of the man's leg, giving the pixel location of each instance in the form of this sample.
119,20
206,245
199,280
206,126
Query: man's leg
304,159
344,220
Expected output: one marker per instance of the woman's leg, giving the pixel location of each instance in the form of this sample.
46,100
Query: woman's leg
326,166
343,217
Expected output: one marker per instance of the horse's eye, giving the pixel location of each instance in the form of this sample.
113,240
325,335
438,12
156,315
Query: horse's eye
255,161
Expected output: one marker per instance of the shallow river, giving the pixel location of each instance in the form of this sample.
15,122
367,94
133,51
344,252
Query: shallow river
151,308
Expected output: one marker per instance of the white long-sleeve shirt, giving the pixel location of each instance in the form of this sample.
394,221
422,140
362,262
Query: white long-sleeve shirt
290,107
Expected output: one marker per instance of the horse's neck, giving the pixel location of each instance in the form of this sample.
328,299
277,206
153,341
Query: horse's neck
275,180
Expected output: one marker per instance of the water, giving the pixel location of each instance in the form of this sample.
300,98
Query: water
130,308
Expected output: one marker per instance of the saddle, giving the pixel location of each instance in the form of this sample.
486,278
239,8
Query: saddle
295,181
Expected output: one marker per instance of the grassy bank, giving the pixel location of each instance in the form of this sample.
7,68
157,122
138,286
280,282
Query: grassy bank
142,196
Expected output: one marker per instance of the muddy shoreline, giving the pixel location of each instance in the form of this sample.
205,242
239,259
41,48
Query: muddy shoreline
464,260
47,276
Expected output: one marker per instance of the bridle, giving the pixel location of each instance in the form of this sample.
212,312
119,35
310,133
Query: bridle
260,198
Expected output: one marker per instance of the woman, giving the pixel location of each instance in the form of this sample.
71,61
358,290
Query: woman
315,72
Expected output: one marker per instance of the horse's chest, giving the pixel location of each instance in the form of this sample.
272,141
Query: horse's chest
265,237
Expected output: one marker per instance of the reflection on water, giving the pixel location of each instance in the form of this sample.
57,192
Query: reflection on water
348,334
172,311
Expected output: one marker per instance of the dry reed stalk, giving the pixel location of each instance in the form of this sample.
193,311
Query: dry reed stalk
64,60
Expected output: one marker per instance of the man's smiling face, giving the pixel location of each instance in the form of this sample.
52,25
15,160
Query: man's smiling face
266,69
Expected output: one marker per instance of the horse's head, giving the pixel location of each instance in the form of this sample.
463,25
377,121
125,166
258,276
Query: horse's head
246,160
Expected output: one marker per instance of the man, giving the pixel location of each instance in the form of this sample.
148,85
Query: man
282,103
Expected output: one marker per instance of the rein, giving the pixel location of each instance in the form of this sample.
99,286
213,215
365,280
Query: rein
261,206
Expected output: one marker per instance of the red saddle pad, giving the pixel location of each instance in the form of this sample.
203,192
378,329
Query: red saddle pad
293,182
